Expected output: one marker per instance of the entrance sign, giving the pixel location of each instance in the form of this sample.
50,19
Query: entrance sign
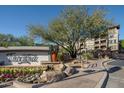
23,58
24,55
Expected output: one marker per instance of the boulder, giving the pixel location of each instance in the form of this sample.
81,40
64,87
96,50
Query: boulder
75,61
57,77
70,71
37,81
8,79
86,65
29,79
60,67
37,75
52,76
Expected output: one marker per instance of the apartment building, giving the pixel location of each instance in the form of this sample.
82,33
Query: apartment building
101,43
110,41
113,38
90,44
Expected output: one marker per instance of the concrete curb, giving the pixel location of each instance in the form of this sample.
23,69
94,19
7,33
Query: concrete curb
103,81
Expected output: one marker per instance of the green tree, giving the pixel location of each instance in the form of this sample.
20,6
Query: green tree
25,41
74,25
7,40
10,40
122,44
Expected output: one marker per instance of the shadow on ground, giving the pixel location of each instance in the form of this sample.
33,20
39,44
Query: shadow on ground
88,72
114,69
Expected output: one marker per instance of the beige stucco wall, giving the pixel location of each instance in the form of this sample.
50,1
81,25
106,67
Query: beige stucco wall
90,44
115,36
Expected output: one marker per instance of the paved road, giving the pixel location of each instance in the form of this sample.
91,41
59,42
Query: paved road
116,74
117,63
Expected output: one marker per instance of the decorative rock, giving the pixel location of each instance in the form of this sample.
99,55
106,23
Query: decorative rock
85,65
70,71
75,61
1,75
27,75
8,79
58,76
47,67
36,81
4,84
44,76
62,67
37,75
28,78
52,76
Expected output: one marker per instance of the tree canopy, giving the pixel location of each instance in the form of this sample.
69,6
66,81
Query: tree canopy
122,44
10,40
73,25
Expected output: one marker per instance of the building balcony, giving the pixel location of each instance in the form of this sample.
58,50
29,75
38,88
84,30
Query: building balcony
97,45
103,44
96,40
100,39
103,47
103,39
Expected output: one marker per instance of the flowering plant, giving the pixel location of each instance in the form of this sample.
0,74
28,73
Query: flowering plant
10,73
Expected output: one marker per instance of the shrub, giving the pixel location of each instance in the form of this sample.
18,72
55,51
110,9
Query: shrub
6,72
87,55
59,56
98,53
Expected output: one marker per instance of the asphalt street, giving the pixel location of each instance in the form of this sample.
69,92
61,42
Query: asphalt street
116,74
117,63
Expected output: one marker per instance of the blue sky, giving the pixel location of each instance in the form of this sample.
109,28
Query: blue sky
14,19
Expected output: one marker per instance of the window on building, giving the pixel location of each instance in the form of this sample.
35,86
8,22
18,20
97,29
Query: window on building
115,41
110,41
111,36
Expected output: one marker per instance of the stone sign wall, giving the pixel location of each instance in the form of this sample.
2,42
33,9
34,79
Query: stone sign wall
24,58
